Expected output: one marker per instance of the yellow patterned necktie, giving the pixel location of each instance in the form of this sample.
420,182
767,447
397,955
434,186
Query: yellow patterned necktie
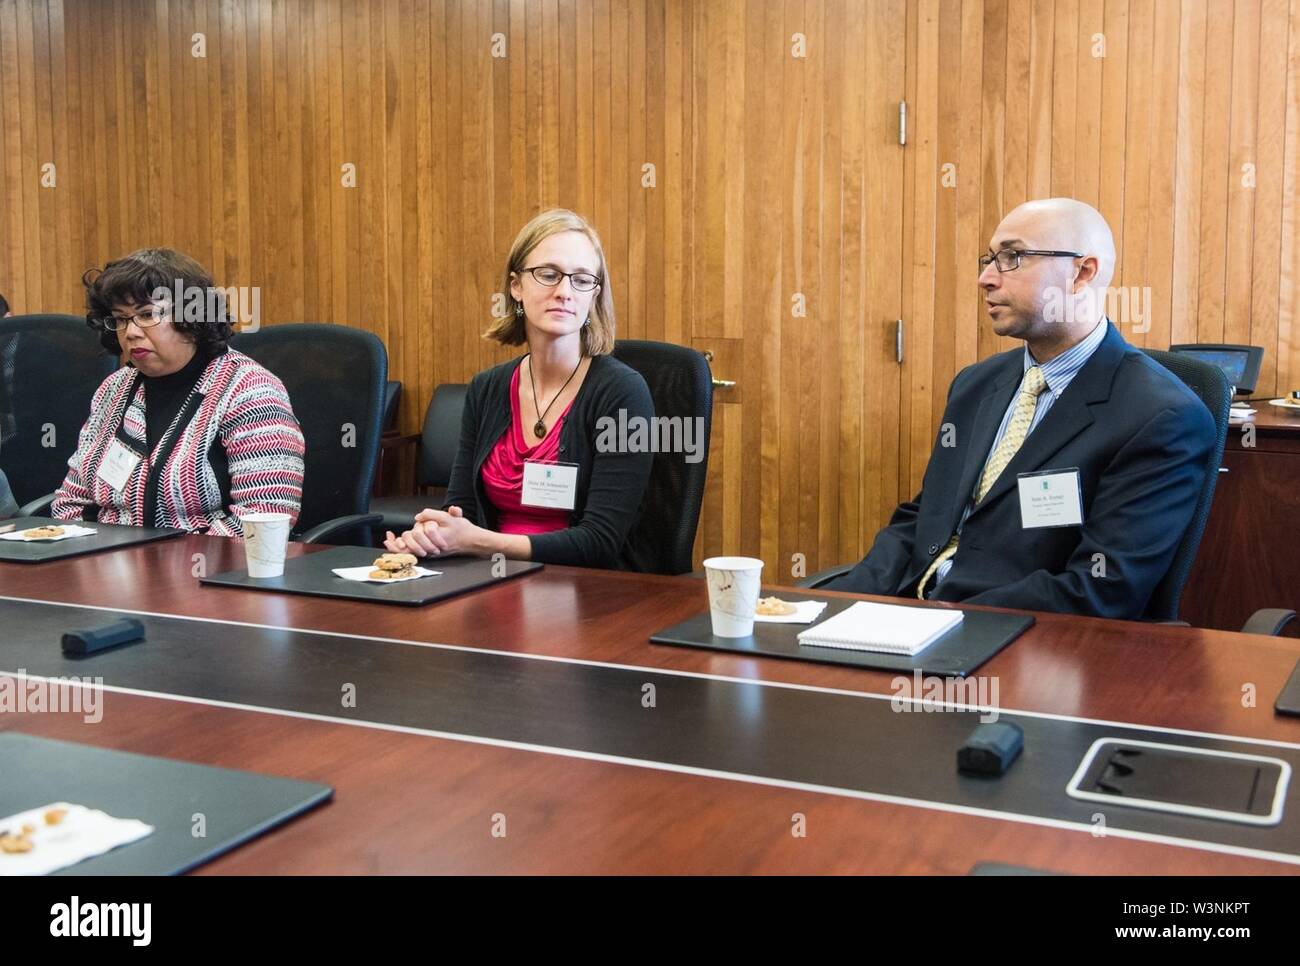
1021,419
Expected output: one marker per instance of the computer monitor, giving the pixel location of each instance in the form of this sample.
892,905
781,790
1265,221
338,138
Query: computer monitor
1240,363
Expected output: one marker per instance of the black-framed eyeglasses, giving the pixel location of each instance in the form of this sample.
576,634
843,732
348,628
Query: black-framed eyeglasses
144,318
1008,259
550,276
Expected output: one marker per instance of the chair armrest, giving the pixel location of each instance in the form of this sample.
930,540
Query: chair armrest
37,507
318,533
1269,621
823,577
392,520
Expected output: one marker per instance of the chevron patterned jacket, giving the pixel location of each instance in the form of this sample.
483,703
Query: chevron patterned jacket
242,407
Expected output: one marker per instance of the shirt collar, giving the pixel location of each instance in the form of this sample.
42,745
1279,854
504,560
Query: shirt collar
1060,371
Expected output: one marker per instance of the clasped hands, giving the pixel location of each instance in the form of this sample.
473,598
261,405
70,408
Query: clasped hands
437,532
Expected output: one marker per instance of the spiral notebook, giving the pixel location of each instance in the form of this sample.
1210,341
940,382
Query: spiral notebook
888,628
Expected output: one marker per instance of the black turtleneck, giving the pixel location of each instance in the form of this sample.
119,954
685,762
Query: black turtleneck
164,396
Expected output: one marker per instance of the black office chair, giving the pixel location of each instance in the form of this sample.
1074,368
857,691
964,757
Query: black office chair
336,377
437,452
50,367
681,385
1210,383
392,399
1211,386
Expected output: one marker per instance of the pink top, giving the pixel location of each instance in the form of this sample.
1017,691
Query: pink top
503,473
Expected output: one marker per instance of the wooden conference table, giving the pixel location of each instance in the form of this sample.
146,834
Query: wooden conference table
412,803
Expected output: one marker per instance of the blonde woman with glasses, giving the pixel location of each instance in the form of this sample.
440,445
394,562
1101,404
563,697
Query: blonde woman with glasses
529,480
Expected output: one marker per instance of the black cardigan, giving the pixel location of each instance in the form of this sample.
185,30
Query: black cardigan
610,485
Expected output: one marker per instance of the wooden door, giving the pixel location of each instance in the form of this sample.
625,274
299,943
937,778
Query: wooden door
797,278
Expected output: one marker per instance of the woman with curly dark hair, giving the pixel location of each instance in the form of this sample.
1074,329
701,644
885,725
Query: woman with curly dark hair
190,433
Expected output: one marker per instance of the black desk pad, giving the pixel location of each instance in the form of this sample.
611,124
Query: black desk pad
818,741
1288,702
311,574
980,635
107,536
237,806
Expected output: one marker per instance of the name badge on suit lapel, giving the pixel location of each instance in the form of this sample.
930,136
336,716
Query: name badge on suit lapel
1050,498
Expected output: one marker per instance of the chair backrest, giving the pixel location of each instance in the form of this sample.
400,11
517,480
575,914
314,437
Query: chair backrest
335,376
392,399
441,435
681,385
50,367
1211,385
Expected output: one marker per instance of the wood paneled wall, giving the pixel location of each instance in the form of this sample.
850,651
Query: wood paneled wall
782,227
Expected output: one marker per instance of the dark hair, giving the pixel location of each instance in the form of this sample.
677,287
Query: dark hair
4,306
136,278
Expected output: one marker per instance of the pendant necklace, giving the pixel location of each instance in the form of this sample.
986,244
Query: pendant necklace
539,427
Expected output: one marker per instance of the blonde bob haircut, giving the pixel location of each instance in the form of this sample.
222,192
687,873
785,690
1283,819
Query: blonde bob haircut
598,335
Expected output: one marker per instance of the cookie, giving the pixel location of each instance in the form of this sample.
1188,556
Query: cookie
395,561
392,574
774,607
55,815
15,843
43,533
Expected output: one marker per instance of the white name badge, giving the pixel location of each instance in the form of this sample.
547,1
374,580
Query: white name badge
550,485
1051,498
117,465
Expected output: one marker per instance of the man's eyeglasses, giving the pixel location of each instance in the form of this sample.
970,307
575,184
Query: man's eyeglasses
550,277
144,318
1008,259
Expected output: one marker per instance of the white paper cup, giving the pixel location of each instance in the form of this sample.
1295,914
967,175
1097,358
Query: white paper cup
266,538
733,594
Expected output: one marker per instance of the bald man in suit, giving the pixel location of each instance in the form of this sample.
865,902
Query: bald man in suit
1076,409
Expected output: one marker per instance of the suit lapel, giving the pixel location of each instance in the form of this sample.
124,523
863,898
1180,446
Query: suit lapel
1069,416
987,420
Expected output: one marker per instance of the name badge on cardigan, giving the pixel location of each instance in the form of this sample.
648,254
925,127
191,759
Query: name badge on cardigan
550,485
117,465
1050,498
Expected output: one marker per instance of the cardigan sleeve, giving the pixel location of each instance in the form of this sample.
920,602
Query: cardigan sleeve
618,482
460,484
264,446
8,505
75,494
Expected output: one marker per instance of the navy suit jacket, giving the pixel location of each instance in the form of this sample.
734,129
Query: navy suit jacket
1140,439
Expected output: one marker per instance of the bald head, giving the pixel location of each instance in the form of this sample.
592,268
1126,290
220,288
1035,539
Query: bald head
1056,294
1064,224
